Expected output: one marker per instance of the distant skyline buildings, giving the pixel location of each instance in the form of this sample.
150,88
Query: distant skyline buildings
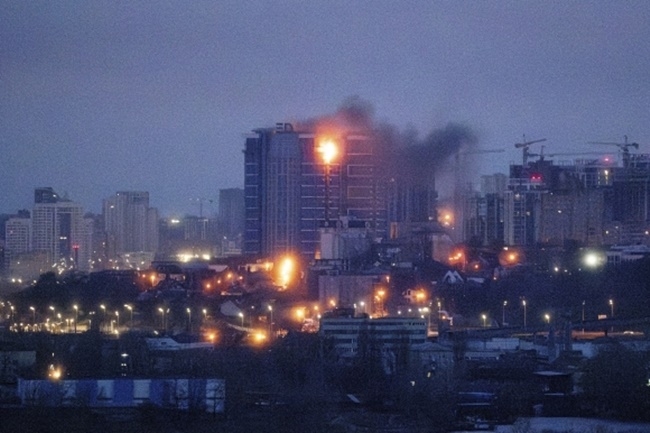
18,238
292,197
131,225
55,235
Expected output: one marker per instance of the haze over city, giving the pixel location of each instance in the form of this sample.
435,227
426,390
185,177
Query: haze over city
102,97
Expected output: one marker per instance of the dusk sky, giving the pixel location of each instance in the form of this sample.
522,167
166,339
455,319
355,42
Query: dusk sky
97,97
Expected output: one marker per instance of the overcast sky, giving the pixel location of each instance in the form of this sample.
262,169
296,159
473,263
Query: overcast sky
97,97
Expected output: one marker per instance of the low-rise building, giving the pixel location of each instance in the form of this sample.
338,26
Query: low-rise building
391,338
207,394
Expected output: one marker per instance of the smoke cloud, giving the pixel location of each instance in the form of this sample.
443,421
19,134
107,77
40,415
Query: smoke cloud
402,155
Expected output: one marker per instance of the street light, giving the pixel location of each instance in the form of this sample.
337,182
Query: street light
523,302
428,311
164,324
76,316
189,318
611,306
503,313
547,317
270,307
484,317
130,308
103,308
33,314
240,314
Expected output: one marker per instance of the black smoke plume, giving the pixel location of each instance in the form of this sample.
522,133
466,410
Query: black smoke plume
401,155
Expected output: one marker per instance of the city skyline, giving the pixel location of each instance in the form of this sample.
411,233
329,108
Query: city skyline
101,98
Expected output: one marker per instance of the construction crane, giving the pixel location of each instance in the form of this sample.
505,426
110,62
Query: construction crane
542,155
625,148
525,145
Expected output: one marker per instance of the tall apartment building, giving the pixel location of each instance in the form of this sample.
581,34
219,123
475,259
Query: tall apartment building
494,183
576,216
589,201
630,200
231,221
484,218
18,238
60,230
131,225
231,212
290,194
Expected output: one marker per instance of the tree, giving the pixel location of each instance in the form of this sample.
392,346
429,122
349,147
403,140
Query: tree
614,382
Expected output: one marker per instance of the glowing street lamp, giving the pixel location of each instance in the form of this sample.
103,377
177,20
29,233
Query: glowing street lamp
189,318
103,308
54,372
240,314
523,302
547,317
427,310
33,314
130,308
76,316
484,317
270,307
611,307
164,312
503,313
